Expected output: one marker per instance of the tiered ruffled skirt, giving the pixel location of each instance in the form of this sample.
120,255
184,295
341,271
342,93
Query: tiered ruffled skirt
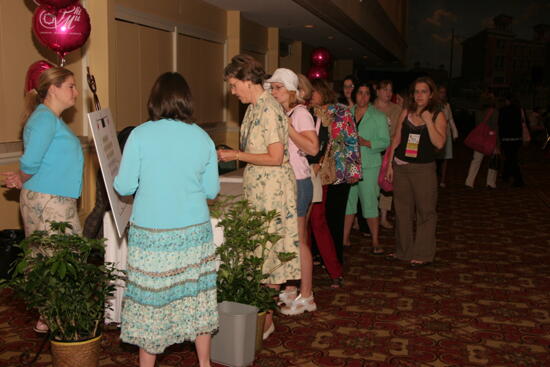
170,294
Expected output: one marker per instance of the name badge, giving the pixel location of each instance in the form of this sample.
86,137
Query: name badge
411,150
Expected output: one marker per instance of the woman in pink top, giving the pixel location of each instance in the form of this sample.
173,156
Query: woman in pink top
303,140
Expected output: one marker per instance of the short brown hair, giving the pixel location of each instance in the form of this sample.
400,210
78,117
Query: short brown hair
245,67
383,83
171,99
322,87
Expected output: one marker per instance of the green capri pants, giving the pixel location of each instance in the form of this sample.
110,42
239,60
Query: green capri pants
366,190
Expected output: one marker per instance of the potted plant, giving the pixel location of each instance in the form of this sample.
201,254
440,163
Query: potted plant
68,291
242,256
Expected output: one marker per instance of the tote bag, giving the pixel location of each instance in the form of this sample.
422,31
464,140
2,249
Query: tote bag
482,138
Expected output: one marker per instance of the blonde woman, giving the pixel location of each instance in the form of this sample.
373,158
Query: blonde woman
50,174
303,140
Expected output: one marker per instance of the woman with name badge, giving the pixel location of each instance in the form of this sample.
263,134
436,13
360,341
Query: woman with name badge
421,130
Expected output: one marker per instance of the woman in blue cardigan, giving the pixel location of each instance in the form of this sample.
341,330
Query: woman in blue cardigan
50,169
171,166
374,138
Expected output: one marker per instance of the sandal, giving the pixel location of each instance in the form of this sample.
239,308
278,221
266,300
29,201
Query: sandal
386,224
299,306
419,264
41,327
391,257
377,250
337,282
287,296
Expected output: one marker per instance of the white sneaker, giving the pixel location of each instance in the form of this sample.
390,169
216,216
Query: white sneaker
299,306
287,296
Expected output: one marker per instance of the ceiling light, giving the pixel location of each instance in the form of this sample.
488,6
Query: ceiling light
309,26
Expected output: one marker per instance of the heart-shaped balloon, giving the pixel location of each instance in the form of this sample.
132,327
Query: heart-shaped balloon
33,74
62,31
56,4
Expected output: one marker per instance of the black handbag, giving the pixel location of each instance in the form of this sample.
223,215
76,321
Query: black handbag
8,251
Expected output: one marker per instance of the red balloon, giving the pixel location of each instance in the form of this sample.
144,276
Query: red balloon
317,72
321,56
33,73
62,31
57,4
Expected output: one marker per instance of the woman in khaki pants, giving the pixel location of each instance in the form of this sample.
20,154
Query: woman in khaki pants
421,130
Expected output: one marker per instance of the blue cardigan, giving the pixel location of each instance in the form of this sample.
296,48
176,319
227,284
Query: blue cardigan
53,155
172,168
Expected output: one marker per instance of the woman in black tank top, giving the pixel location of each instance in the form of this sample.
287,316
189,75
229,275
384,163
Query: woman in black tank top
420,132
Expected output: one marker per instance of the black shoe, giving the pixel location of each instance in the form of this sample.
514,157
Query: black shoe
420,264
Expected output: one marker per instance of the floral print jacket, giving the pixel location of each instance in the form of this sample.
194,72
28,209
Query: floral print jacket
344,141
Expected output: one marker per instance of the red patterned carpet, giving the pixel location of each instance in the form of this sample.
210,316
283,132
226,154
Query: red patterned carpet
485,301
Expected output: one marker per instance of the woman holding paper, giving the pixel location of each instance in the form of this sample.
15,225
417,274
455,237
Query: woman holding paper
269,182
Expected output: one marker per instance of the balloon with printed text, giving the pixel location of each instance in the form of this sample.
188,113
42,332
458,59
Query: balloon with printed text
62,31
56,4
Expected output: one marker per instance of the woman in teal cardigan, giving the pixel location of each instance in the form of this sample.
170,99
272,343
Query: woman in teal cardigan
374,138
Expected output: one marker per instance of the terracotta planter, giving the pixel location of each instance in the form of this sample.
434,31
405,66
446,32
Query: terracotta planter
81,354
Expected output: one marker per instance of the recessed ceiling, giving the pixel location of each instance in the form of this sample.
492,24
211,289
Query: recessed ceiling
291,20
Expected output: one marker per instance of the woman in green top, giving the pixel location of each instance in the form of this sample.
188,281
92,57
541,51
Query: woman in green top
374,138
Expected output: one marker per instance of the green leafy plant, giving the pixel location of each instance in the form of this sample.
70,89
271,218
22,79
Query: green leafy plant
59,281
243,253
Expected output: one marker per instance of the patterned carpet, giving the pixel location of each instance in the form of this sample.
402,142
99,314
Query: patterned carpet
485,301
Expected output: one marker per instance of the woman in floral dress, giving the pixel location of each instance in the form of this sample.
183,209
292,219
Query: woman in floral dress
268,182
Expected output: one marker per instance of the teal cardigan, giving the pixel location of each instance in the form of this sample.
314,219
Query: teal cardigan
373,127
53,155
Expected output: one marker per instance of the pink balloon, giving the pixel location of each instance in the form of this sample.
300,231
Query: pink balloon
317,72
62,31
33,73
57,4
321,56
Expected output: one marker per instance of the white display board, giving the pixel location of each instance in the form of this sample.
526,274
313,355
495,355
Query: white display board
108,152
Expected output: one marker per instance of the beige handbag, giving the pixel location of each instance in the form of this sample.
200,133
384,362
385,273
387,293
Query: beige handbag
317,186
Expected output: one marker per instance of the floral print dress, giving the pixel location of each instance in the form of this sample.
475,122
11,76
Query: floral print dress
272,187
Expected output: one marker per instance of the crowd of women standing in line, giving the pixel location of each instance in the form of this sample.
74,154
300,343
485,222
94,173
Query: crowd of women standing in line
343,145
308,157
